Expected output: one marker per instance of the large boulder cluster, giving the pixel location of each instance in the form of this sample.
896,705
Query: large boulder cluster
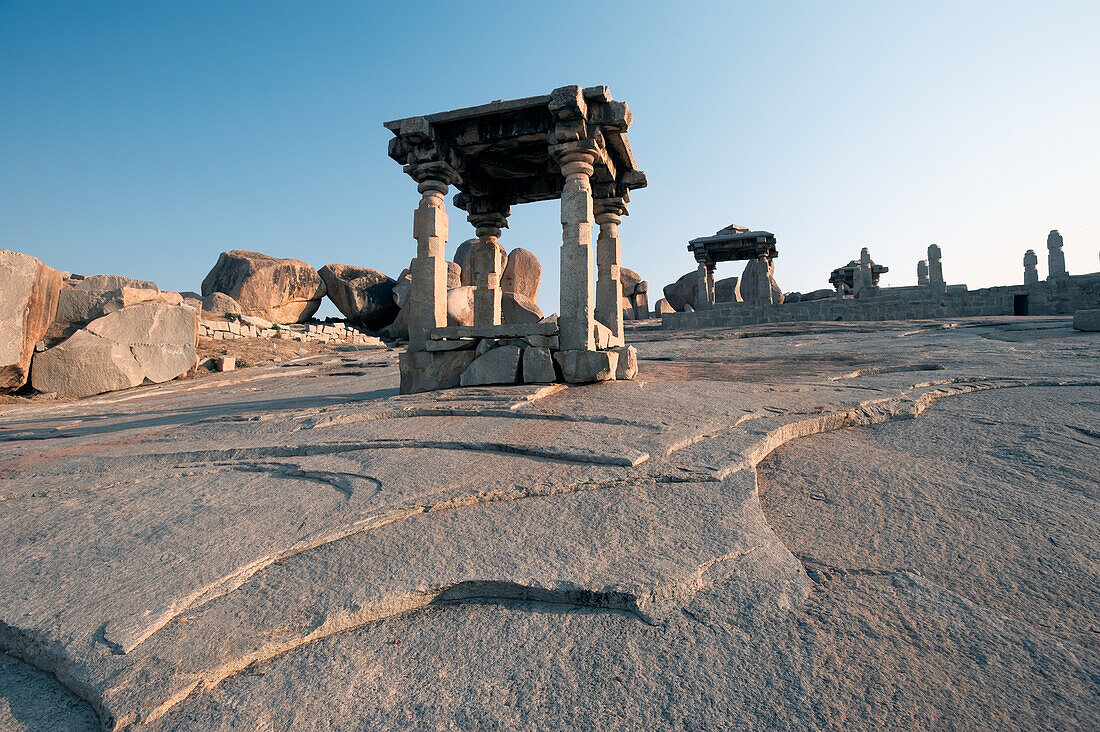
78,336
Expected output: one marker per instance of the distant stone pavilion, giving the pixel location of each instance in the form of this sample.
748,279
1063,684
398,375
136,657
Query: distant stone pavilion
571,145
731,244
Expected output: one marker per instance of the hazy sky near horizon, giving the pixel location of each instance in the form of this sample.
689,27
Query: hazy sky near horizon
143,137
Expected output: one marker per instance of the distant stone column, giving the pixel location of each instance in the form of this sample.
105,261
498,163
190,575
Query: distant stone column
488,218
1056,258
935,270
428,298
609,286
862,280
922,273
576,320
1031,267
704,299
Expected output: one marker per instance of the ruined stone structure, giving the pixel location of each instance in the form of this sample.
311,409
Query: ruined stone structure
1060,294
859,277
936,282
1031,271
731,244
922,273
571,145
1056,258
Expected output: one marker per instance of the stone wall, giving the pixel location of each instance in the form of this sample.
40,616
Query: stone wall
232,329
1053,297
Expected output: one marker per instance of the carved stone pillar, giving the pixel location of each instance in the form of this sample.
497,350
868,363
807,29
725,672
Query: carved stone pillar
935,270
1056,258
1031,268
609,286
705,297
488,218
428,298
576,319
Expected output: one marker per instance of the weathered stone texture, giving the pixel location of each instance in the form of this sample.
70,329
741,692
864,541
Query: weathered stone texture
683,291
281,290
498,365
538,366
522,274
428,370
1087,320
516,308
146,343
363,295
583,367
29,293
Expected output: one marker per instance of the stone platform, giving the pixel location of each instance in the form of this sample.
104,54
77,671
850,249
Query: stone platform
795,526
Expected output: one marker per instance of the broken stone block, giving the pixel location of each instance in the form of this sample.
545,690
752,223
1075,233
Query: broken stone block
428,371
225,363
538,366
517,308
147,343
1087,320
627,368
498,365
583,367
29,293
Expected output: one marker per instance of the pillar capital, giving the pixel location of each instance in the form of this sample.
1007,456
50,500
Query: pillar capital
609,207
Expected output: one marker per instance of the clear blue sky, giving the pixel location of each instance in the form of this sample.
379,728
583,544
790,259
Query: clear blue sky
143,137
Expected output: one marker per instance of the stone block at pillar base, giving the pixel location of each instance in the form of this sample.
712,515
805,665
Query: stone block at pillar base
604,337
584,367
428,371
627,367
538,366
1087,320
498,365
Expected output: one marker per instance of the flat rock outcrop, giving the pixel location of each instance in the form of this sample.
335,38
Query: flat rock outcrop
29,292
363,295
146,343
522,275
281,290
617,556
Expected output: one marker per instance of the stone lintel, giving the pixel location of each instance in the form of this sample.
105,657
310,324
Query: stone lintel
513,330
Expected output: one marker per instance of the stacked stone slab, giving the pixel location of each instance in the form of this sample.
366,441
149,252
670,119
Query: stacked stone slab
569,145
525,354
233,328
29,294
